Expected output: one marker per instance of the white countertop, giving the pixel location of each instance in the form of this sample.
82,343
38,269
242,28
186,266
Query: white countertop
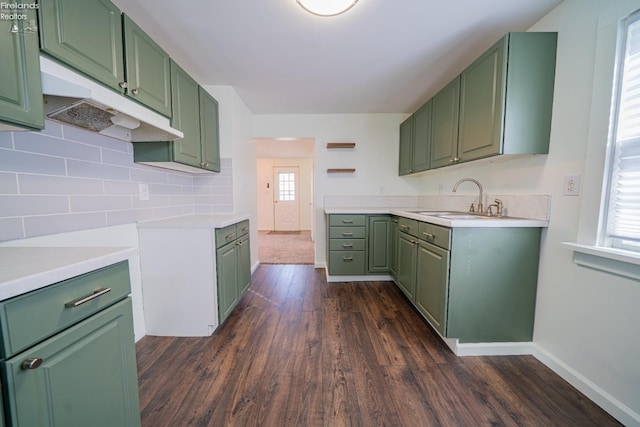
25,269
413,213
195,221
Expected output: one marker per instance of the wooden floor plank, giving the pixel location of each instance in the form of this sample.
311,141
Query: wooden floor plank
298,351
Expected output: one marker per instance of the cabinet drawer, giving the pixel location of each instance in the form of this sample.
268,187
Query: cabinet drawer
346,245
32,317
225,235
346,233
242,228
346,263
409,226
440,236
347,220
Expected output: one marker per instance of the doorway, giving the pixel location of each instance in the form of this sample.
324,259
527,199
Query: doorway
285,200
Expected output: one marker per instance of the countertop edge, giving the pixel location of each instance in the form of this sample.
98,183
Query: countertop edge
196,221
452,223
73,262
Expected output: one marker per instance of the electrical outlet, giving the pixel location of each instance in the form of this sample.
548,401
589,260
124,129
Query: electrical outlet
144,191
571,185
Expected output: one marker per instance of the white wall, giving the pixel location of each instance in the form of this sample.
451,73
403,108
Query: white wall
236,141
586,321
265,196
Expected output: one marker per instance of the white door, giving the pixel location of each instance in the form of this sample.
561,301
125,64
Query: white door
286,206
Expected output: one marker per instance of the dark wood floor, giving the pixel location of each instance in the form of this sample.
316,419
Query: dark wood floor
298,351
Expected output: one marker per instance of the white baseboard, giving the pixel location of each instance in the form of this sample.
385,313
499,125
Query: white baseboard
613,406
491,348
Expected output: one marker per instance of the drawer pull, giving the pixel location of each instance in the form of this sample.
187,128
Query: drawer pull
230,236
429,235
88,298
347,258
347,245
347,221
31,363
404,226
245,229
347,233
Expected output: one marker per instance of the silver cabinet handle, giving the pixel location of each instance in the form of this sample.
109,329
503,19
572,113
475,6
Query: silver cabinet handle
347,258
31,363
88,298
347,245
347,233
404,226
230,236
429,235
245,229
123,85
136,91
347,221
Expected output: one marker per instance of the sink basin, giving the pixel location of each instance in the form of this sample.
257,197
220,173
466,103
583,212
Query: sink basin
457,215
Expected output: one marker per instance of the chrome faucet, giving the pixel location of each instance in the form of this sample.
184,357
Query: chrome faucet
498,205
480,207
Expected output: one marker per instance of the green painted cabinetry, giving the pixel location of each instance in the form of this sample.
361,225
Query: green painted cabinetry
500,105
347,244
195,113
21,105
506,98
69,355
393,245
233,264
147,69
406,147
415,141
445,125
378,241
473,284
87,35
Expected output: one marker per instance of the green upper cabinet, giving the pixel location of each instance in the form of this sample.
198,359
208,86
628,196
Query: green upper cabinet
186,117
445,125
195,113
148,69
87,35
422,138
21,105
406,147
415,141
209,131
506,98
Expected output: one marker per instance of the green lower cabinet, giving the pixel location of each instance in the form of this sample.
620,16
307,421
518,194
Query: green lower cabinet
233,265
407,263
393,246
21,106
227,267
378,238
88,376
432,282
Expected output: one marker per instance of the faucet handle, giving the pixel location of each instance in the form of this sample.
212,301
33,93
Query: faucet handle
499,206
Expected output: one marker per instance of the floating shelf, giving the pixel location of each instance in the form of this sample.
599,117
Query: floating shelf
332,145
341,170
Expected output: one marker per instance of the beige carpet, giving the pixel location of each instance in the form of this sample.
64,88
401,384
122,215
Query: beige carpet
285,247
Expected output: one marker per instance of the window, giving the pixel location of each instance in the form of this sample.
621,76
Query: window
287,186
621,222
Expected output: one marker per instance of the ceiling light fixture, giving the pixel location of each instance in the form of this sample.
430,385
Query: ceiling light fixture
327,7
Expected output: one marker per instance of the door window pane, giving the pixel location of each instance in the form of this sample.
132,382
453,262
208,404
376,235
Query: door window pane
286,186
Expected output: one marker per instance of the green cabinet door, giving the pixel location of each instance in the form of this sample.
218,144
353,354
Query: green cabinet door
85,34
422,138
393,246
379,234
21,105
406,272
482,104
148,69
88,376
444,145
186,117
227,269
244,264
432,282
406,147
209,131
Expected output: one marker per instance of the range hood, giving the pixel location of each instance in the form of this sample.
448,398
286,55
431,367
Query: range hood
73,99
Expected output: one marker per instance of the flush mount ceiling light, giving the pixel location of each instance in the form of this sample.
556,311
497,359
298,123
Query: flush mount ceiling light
327,7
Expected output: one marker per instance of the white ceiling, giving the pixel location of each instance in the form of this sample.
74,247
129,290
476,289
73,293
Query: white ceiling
383,56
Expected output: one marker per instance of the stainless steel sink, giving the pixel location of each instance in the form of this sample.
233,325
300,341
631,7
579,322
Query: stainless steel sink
458,215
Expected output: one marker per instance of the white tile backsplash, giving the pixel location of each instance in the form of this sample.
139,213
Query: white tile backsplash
66,179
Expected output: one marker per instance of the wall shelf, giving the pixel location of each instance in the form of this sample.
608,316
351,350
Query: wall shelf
334,145
343,170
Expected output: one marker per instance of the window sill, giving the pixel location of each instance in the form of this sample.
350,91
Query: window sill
613,261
